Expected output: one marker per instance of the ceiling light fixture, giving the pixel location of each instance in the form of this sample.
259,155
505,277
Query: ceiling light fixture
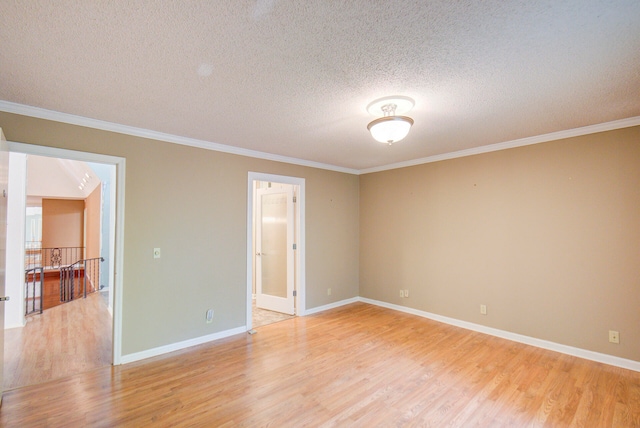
392,126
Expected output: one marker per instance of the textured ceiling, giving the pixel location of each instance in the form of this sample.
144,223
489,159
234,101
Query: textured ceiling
294,78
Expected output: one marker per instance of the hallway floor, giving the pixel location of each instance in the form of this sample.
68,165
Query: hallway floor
59,342
262,317
67,339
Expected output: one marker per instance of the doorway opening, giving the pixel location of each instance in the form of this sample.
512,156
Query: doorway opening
275,248
98,305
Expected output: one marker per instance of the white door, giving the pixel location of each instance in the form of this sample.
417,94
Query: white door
4,181
274,250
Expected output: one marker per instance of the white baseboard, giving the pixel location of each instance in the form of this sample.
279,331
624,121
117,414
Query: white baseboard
154,352
544,344
552,346
331,306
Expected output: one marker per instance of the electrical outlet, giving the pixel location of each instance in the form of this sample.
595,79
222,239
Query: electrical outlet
483,309
328,292
401,293
614,336
209,316
406,293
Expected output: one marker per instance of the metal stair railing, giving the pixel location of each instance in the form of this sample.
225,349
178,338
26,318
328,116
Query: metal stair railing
50,258
79,279
33,281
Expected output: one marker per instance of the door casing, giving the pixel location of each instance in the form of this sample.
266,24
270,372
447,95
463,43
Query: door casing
300,233
4,186
118,234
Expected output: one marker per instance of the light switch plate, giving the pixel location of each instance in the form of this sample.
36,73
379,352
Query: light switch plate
156,253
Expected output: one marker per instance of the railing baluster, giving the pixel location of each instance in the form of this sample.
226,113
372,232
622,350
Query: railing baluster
31,281
74,270
84,273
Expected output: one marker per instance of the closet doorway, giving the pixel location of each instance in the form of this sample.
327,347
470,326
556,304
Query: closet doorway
275,249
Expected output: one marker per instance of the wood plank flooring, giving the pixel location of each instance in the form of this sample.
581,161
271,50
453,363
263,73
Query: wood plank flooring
358,365
51,290
70,338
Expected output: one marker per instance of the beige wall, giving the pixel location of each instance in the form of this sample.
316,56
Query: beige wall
92,227
192,204
62,223
547,236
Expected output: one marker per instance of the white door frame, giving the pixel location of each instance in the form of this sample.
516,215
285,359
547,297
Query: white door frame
117,228
300,222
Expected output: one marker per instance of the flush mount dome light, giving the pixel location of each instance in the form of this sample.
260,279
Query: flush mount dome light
391,127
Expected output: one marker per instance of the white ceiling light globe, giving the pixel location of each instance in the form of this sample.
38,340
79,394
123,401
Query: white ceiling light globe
390,129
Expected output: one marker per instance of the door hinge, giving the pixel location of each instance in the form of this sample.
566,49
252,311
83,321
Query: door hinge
295,246
295,199
295,293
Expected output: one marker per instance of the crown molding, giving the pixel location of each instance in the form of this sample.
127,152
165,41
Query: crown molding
71,119
40,113
576,132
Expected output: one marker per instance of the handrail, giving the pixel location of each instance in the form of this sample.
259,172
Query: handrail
86,272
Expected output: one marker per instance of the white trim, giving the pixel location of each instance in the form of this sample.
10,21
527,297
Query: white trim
553,136
160,350
301,244
41,113
32,149
332,305
527,340
16,222
113,178
118,245
71,119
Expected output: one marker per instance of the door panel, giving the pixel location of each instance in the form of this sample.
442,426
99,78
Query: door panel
4,181
274,250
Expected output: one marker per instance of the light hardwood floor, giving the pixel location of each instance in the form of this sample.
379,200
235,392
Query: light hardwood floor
67,339
358,365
